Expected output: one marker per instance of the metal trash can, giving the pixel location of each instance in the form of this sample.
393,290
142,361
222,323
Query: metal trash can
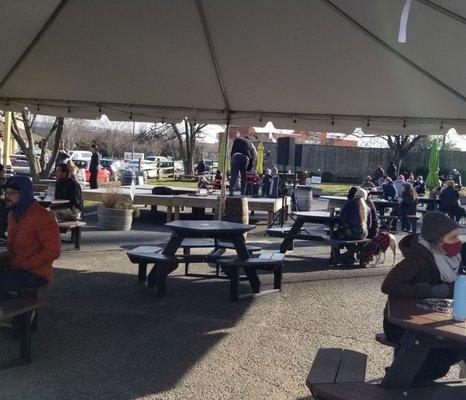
128,177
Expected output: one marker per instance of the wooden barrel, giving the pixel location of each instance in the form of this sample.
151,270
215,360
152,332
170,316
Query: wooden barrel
114,219
237,210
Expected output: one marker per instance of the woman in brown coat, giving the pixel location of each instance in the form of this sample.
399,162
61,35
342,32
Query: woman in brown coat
429,269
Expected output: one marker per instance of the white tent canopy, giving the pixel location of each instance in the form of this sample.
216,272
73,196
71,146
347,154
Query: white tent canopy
330,65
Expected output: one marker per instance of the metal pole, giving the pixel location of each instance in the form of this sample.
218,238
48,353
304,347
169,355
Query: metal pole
7,139
132,151
224,171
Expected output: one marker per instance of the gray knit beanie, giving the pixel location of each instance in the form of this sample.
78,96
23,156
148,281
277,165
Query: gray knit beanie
435,225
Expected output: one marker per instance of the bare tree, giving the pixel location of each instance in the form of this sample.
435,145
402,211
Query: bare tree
39,165
399,145
186,134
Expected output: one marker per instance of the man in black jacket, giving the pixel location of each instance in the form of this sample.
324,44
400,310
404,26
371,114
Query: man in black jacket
67,189
243,156
449,201
94,167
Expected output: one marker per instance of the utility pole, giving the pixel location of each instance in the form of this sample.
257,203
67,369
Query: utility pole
134,128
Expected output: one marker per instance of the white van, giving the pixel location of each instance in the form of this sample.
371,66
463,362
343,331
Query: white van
81,155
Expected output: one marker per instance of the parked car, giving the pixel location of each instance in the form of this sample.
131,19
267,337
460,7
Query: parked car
149,166
178,166
80,155
102,176
211,166
113,166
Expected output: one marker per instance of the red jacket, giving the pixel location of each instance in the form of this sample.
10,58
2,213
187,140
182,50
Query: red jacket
33,241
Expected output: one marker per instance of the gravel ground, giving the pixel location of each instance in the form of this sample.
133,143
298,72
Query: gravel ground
103,336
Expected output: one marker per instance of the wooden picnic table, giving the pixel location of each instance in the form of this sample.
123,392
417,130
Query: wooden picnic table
175,189
218,230
50,202
315,217
424,330
175,202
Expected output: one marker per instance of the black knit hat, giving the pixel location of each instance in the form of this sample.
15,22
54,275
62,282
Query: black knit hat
435,225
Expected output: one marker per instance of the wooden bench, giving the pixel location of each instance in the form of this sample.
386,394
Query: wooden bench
337,244
380,338
266,261
140,255
22,310
30,293
411,218
278,232
335,366
339,374
75,228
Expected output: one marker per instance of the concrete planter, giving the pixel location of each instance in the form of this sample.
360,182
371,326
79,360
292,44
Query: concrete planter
114,219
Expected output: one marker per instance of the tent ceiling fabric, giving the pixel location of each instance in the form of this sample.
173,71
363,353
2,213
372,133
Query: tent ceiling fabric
303,64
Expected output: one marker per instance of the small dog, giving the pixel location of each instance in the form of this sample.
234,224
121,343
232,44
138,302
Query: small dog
381,247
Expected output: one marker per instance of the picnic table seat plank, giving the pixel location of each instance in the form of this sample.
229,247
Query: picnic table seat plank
368,391
14,307
268,261
21,309
75,228
325,366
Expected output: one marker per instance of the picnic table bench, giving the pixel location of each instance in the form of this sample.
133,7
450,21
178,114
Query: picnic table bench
75,228
21,309
141,255
339,374
265,261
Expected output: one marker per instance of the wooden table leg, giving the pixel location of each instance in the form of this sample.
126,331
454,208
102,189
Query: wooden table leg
295,229
177,213
251,273
169,213
269,218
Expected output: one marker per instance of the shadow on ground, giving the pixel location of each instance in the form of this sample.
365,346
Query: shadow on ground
103,336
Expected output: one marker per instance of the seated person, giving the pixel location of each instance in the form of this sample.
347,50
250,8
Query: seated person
429,269
419,185
449,201
67,188
217,184
399,184
203,184
373,228
33,247
368,184
389,191
408,206
455,176
355,218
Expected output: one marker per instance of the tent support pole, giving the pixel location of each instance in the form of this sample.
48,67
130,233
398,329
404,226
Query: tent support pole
223,196
7,138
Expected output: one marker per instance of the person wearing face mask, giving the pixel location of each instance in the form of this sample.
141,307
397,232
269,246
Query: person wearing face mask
429,269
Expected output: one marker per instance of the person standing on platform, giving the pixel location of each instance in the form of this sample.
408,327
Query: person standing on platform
243,157
94,167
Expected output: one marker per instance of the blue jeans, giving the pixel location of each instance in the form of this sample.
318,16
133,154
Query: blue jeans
12,279
239,165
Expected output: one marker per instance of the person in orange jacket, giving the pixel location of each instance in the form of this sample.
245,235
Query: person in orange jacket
33,240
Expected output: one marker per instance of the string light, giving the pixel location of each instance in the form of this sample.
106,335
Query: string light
131,116
294,119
